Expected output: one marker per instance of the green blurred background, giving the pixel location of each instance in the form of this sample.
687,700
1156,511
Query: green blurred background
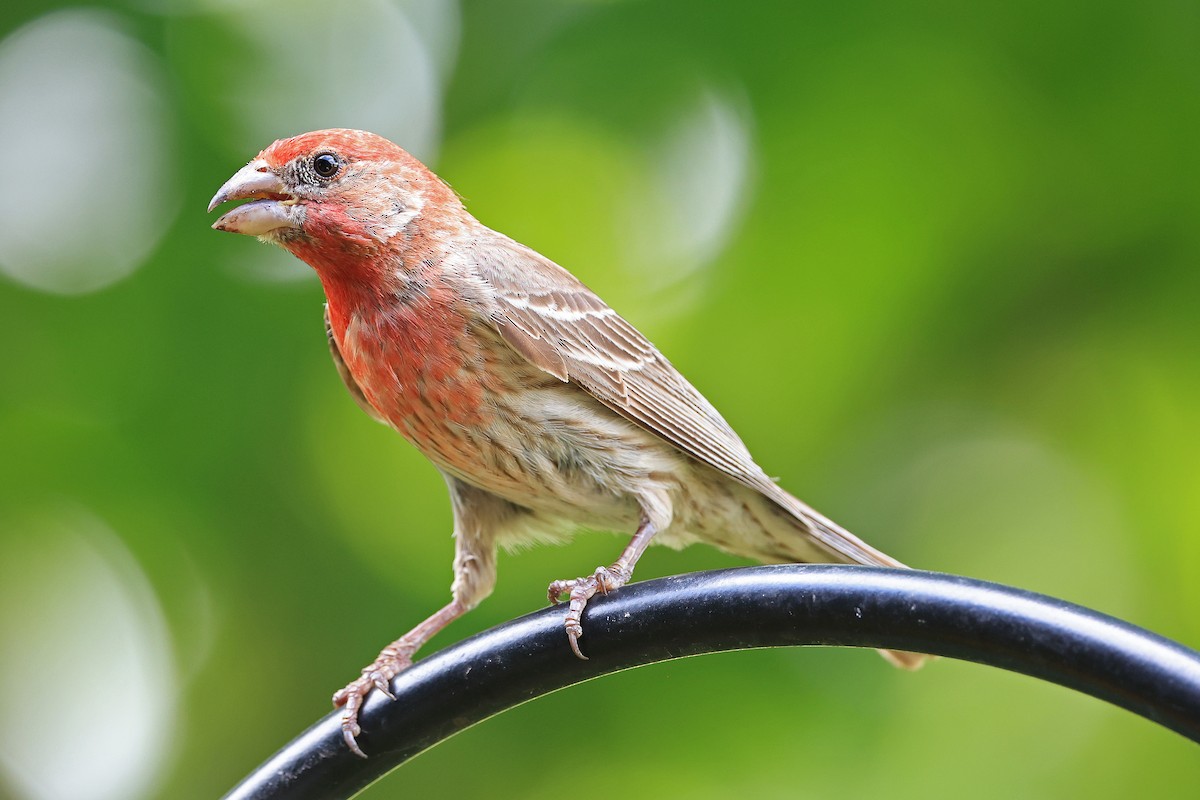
936,262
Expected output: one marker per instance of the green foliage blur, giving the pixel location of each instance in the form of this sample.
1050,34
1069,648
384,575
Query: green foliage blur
936,263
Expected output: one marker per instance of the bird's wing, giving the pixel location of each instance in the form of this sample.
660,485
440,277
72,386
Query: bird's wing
546,314
561,326
352,385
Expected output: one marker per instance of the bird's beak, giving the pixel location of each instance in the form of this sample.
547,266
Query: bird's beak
271,206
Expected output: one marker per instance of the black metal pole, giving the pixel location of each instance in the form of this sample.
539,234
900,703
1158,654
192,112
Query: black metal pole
772,606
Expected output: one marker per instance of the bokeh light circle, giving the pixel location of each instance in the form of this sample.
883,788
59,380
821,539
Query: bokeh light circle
88,169
88,689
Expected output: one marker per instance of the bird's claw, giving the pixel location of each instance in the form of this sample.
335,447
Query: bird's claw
351,697
573,634
382,684
376,676
579,591
557,589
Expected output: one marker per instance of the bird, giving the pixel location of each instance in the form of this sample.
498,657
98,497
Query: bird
544,410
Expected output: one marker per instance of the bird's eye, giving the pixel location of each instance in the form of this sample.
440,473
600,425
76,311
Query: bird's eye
326,165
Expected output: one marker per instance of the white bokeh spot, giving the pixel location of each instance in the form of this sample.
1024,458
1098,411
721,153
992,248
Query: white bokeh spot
698,178
87,684
88,168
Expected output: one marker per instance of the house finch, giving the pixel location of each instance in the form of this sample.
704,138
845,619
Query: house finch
543,409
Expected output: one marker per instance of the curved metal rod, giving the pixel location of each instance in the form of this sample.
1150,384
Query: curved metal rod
734,609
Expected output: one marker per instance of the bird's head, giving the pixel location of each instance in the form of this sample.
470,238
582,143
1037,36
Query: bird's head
330,196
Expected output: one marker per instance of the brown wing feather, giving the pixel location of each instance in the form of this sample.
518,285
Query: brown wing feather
549,316
560,325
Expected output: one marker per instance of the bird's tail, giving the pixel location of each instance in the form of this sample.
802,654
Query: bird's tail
798,533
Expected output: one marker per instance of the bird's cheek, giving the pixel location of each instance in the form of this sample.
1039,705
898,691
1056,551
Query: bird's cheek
334,223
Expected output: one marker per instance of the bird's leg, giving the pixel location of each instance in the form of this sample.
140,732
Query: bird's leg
603,580
474,577
394,659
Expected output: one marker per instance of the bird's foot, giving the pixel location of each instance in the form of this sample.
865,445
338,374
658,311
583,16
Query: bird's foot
579,591
394,659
